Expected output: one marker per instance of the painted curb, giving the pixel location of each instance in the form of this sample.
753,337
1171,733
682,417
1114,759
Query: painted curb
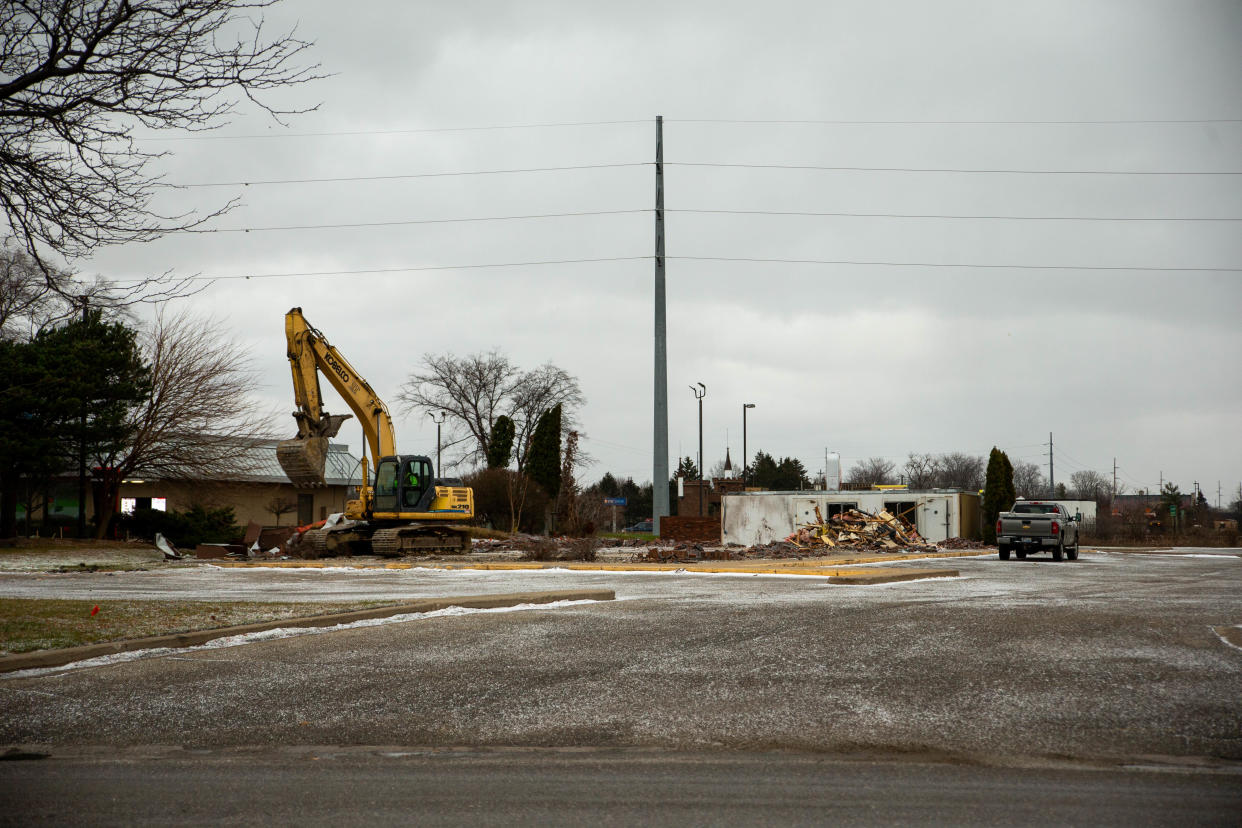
888,576
57,658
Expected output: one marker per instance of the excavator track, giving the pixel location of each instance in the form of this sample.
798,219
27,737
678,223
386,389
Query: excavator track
420,539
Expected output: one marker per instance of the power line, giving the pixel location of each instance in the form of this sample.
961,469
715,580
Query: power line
850,214
578,213
400,176
964,265
414,131
408,269
627,121
535,263
955,123
403,222
956,170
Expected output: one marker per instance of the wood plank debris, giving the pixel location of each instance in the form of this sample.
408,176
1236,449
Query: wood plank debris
859,530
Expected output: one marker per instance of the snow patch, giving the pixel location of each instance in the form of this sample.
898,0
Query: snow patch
278,633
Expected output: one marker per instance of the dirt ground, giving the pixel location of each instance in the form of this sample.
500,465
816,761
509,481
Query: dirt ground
71,556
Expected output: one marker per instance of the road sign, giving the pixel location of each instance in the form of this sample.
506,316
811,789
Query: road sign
614,501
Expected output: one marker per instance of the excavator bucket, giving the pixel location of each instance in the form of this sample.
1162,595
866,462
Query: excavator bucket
303,459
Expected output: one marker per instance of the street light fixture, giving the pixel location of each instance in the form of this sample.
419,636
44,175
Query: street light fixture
438,423
699,393
744,407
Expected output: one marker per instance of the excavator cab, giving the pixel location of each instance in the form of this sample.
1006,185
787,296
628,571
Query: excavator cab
401,482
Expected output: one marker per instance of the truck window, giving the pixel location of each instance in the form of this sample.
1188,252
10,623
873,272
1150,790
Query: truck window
1035,508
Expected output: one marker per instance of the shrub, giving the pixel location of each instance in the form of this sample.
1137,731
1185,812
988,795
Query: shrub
185,529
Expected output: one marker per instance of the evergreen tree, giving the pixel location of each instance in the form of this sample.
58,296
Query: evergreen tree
68,390
687,469
500,446
997,492
764,471
791,475
608,486
543,463
1008,491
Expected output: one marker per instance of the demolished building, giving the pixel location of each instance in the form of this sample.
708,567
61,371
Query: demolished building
758,518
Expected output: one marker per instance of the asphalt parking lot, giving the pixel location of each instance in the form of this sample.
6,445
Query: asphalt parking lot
1114,658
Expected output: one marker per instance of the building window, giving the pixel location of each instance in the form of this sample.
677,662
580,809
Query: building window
129,504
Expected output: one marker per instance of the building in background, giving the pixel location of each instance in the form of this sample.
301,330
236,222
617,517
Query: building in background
756,518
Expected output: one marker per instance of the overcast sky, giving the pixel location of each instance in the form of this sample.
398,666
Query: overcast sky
920,354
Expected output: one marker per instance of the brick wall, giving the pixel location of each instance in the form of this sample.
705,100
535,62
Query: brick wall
696,529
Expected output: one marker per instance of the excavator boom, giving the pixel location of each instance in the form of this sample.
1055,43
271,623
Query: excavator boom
304,457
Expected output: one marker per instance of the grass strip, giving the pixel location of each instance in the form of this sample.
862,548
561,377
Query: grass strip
30,624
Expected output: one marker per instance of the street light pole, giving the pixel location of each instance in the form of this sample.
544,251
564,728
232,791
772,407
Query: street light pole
699,393
744,407
439,422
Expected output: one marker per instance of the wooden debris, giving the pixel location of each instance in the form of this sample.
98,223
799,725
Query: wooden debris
858,530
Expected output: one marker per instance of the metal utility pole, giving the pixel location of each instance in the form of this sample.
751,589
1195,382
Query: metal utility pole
699,393
659,466
439,422
81,442
1217,494
744,407
1052,486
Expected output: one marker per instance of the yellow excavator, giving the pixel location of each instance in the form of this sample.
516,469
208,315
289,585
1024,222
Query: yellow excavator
406,510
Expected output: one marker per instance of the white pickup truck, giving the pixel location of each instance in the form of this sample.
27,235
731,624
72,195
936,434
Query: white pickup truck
1036,526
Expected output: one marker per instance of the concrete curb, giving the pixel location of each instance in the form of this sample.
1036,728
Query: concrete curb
57,658
888,576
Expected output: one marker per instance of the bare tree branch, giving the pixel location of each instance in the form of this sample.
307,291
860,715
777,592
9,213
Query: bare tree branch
76,78
199,421
474,390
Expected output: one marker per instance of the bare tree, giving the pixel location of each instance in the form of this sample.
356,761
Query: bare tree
199,421
33,297
77,77
1029,481
922,471
474,390
870,472
281,505
961,471
1090,485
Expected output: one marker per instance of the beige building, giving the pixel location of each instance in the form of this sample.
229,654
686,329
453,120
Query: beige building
258,491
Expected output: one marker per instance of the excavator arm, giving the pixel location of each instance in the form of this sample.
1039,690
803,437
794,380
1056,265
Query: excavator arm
304,457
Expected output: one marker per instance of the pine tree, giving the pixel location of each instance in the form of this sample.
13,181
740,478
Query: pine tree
500,445
543,464
997,492
687,469
67,390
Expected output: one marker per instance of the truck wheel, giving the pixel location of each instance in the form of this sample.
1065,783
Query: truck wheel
1021,554
1003,551
1071,552
1058,551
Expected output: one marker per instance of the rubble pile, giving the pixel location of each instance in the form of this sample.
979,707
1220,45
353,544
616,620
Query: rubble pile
858,530
962,543
683,552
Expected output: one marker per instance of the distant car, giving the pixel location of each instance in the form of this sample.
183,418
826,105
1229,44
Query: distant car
642,526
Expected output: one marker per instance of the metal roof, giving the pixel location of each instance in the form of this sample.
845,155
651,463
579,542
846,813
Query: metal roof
257,464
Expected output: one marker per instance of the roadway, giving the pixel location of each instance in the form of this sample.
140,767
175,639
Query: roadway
1009,682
